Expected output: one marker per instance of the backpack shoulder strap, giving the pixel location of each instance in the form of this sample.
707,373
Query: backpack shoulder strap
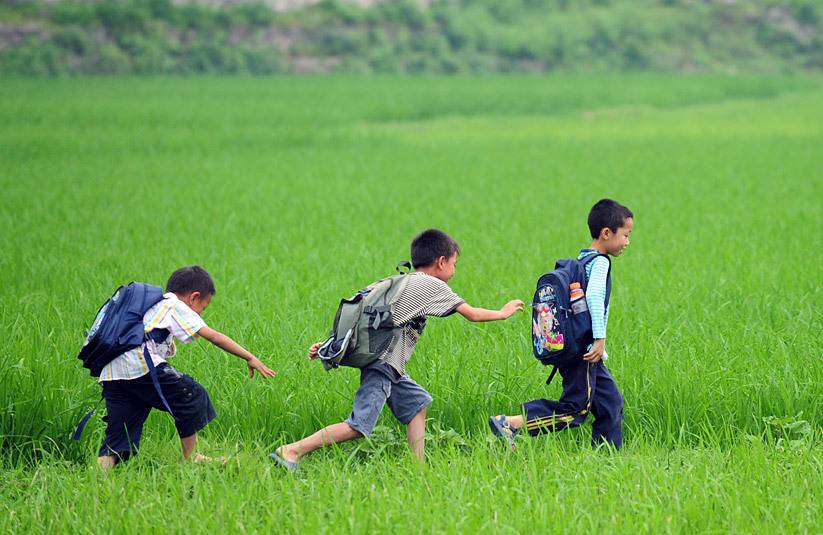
153,376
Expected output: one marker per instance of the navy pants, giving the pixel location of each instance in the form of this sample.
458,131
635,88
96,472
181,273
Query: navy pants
587,388
128,403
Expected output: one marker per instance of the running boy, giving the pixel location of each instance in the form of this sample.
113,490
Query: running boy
434,256
587,384
127,386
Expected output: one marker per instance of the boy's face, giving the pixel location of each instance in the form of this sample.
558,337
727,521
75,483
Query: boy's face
197,301
445,267
616,242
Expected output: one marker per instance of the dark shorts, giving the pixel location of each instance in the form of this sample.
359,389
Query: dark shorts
129,402
381,385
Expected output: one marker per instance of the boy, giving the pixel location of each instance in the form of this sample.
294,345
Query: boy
434,257
587,384
127,386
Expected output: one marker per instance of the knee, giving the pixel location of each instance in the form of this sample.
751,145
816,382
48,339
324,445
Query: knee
352,432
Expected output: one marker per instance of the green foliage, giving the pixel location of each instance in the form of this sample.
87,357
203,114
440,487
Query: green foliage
34,58
121,16
73,40
448,36
111,59
74,13
262,61
255,15
149,56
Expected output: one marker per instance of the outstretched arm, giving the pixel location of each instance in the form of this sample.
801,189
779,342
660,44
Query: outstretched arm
230,346
482,314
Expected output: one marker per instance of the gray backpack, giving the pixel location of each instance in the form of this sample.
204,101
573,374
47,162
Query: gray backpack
364,326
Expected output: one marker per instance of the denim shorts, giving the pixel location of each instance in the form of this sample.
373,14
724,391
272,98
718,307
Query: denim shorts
381,385
128,403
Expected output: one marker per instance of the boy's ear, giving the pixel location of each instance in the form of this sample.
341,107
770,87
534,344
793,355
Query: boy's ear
440,262
605,233
194,296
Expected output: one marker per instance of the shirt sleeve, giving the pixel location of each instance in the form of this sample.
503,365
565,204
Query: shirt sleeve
443,301
596,296
184,322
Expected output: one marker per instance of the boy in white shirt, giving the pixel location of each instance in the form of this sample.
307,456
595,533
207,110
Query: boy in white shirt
127,386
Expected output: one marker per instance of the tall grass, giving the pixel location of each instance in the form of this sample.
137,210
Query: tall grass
294,192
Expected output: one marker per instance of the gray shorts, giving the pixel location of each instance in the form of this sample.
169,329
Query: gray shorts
380,385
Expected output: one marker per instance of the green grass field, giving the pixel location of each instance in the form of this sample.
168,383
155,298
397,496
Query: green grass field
295,192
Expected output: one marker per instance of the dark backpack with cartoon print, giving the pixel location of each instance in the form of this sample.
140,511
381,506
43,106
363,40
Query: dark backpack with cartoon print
561,323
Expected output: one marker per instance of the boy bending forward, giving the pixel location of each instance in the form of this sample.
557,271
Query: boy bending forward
127,386
384,382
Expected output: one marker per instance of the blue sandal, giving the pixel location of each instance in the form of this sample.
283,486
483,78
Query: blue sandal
502,428
291,466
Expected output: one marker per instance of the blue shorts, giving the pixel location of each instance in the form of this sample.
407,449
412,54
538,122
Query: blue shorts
128,403
380,385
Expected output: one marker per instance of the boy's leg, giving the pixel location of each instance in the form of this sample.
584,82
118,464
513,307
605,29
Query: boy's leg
544,415
188,444
515,421
416,434
125,415
332,434
188,400
607,408
368,404
408,401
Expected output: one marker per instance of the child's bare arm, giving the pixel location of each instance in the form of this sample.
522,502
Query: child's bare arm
482,314
230,346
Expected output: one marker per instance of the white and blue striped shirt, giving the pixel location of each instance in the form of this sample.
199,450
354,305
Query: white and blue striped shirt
597,272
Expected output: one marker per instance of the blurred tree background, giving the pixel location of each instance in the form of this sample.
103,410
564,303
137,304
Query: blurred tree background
70,37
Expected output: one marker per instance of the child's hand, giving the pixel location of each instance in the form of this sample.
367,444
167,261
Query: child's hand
313,350
511,307
596,353
256,364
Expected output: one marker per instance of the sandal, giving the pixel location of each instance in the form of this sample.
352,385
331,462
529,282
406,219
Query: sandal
502,428
291,466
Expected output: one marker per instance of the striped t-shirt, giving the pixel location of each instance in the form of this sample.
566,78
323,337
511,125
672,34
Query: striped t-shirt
171,313
597,272
423,296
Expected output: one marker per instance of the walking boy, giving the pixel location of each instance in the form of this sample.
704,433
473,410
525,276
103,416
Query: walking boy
127,386
434,256
587,384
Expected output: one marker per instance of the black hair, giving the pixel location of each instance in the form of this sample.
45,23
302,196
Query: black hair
191,279
430,245
607,213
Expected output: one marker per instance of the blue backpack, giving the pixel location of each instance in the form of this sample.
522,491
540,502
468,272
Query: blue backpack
117,328
561,323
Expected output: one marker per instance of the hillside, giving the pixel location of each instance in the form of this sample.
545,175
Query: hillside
409,36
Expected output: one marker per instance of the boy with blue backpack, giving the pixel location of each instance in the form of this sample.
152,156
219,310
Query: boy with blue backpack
569,333
127,348
376,331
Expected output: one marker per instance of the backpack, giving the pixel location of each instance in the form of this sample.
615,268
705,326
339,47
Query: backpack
561,322
117,328
363,326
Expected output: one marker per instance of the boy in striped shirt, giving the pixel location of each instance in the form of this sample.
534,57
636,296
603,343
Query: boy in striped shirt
385,382
587,384
127,386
